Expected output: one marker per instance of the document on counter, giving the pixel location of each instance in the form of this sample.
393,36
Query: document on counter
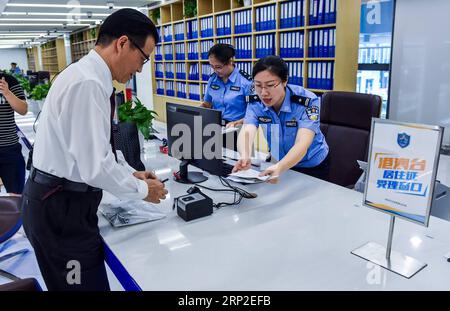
250,176
226,130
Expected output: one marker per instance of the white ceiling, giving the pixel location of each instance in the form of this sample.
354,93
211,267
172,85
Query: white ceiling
25,21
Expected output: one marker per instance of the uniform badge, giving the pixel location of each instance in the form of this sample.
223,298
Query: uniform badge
292,123
215,87
312,113
302,100
264,119
235,88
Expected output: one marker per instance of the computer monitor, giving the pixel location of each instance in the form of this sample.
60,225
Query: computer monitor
194,136
43,76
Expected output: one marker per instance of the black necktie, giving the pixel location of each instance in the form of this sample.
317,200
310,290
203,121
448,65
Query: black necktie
112,100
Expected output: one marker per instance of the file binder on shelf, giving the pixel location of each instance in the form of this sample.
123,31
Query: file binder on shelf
292,14
206,72
179,32
322,12
192,29
158,53
265,18
206,27
159,70
322,42
203,91
159,34
205,46
243,21
179,51
265,45
181,89
193,51
168,33
168,52
224,40
159,87
321,75
295,73
181,71
223,23
245,66
193,72
170,91
291,44
169,70
194,91
243,47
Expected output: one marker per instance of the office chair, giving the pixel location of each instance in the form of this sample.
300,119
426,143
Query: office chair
29,284
345,121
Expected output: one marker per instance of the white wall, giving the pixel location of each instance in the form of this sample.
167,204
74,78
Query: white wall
8,56
144,85
420,78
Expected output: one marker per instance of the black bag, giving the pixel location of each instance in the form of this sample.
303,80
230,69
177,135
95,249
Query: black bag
126,140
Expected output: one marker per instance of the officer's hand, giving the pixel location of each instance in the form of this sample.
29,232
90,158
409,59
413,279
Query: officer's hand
242,165
235,124
274,171
143,175
156,191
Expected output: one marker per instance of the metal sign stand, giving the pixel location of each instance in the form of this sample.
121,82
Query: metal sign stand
391,260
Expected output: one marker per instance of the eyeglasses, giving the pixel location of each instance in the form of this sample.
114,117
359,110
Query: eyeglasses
268,87
146,57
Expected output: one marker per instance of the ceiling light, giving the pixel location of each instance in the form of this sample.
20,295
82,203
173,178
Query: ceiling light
46,20
37,25
57,14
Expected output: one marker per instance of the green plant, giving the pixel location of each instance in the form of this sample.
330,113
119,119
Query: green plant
155,14
93,33
190,8
25,83
138,114
40,91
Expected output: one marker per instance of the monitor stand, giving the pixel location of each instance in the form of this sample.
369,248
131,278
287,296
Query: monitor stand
187,177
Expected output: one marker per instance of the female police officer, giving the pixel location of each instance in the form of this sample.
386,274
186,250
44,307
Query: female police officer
228,86
289,116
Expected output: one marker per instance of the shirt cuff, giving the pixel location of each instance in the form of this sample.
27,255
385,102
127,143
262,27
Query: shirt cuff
142,190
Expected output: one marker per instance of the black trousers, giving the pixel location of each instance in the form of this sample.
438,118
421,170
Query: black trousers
321,171
12,168
62,227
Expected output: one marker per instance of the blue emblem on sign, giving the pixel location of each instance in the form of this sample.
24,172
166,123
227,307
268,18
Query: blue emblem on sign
403,140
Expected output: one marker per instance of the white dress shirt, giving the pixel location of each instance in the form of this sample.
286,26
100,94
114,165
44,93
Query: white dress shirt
73,134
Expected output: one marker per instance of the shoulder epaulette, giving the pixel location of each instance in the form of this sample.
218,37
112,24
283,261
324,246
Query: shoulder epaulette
250,99
245,75
302,100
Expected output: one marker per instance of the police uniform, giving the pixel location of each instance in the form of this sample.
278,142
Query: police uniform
230,97
300,109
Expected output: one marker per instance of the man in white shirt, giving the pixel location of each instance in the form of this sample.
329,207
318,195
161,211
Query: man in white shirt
74,160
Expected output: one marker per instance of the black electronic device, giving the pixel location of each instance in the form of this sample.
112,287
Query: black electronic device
197,120
194,205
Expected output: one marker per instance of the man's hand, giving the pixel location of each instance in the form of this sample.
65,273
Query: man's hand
4,88
242,165
156,191
144,175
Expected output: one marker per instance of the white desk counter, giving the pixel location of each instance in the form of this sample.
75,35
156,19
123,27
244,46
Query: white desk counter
296,235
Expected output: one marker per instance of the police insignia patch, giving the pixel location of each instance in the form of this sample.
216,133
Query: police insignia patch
215,87
264,119
313,113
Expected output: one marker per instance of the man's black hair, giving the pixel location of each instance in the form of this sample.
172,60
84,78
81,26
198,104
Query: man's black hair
274,64
127,22
223,52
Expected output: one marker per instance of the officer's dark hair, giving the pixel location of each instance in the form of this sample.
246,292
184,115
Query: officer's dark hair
15,64
127,22
274,64
223,52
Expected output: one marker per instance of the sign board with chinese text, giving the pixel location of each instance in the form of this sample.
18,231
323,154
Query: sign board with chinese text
402,167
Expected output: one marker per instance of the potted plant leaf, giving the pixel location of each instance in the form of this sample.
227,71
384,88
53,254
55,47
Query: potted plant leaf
135,125
156,16
39,93
190,8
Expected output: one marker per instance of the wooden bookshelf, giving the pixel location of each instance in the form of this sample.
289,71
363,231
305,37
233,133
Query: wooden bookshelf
81,42
346,49
31,59
53,55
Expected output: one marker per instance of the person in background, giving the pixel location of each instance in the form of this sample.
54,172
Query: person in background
15,69
290,119
12,163
228,86
75,158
